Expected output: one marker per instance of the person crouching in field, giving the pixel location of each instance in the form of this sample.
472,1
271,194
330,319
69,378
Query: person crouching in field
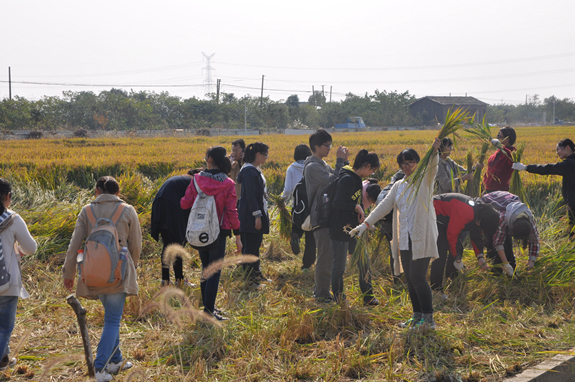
345,212
215,181
169,220
253,210
15,242
415,232
457,213
107,208
294,174
565,150
515,220
498,173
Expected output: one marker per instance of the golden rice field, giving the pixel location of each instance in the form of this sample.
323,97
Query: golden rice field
489,328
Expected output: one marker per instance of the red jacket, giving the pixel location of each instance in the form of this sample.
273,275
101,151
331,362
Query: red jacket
499,170
223,189
457,210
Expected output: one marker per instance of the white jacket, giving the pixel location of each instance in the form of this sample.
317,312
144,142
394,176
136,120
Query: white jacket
294,174
16,238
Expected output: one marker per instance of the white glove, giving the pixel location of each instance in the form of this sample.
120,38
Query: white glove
507,268
495,142
519,166
459,265
358,231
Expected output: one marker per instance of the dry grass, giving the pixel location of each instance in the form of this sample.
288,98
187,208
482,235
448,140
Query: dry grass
489,327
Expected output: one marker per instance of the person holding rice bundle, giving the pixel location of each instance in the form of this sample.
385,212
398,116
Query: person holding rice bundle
215,181
448,177
498,173
345,212
414,231
565,150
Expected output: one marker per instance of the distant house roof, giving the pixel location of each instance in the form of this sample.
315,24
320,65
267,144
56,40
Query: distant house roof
453,100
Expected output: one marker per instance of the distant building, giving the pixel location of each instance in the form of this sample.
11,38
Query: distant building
434,109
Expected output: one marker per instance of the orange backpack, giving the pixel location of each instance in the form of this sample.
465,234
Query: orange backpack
103,263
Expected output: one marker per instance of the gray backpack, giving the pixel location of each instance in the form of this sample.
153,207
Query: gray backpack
5,222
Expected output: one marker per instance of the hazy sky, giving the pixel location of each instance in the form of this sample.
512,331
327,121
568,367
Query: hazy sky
497,51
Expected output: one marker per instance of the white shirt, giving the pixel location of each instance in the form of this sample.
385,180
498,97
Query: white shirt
406,209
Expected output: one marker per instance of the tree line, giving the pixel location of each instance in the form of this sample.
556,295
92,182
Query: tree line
118,109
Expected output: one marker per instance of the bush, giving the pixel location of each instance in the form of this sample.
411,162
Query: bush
80,133
35,134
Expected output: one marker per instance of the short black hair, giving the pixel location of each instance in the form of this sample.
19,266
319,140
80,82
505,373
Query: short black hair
510,133
301,152
239,142
566,143
319,138
522,230
407,154
445,142
373,191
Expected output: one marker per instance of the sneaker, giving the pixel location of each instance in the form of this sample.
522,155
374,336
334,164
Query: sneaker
411,322
103,376
426,323
184,283
114,368
219,311
294,242
219,317
165,283
7,362
371,302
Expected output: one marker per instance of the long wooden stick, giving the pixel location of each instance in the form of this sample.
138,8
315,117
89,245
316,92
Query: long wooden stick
81,315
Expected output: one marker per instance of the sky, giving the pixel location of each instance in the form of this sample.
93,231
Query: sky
497,51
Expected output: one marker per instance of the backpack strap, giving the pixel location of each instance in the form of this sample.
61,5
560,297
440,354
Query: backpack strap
116,215
118,212
198,189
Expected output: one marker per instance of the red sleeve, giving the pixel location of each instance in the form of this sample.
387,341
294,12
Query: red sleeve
188,200
231,210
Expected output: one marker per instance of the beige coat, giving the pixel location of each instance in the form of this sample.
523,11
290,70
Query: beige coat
129,235
424,235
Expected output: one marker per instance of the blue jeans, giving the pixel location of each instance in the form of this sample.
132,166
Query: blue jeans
209,287
110,339
8,306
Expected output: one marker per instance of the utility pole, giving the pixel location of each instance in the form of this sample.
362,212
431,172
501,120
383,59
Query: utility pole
322,92
218,92
553,111
246,117
262,96
9,84
330,94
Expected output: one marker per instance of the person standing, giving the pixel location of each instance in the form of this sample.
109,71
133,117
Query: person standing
15,242
449,178
253,211
318,174
294,174
238,148
109,357
498,173
170,221
415,232
214,181
565,150
346,212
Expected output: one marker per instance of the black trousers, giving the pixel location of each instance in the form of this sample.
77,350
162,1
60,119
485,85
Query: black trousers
417,285
252,243
310,248
178,264
443,266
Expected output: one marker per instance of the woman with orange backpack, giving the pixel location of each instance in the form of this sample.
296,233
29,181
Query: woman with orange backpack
114,261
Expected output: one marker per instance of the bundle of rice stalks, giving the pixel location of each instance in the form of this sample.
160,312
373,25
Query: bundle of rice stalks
453,122
483,132
469,188
515,185
283,218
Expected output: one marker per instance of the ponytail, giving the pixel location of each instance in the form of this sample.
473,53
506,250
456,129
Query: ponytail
364,157
252,149
5,189
108,185
220,159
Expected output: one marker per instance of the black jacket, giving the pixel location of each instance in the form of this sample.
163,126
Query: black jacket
347,196
252,201
566,169
166,210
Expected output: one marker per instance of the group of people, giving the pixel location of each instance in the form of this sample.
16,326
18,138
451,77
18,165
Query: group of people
423,223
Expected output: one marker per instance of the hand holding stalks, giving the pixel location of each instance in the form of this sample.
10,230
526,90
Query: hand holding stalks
519,166
358,231
508,269
483,264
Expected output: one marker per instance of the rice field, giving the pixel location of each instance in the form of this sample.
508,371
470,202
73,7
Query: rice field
488,328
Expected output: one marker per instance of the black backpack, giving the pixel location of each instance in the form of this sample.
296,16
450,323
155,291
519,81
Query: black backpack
301,207
325,202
